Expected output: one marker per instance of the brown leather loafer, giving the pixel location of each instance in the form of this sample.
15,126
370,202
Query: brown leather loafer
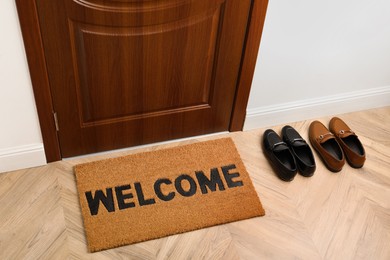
325,143
349,142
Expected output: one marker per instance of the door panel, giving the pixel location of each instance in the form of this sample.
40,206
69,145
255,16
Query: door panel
129,72
102,58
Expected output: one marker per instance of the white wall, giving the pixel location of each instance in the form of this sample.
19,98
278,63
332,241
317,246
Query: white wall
316,58
321,58
20,138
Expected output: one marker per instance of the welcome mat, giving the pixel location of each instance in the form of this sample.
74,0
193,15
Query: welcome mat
155,194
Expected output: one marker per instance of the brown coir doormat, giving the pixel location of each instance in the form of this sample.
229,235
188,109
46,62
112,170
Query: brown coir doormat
155,194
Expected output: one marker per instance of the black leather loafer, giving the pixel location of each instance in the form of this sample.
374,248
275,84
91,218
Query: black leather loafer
279,155
301,151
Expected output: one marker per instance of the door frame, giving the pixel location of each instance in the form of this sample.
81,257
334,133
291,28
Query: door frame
31,32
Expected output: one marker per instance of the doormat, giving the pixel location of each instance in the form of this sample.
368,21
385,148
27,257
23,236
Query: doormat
150,195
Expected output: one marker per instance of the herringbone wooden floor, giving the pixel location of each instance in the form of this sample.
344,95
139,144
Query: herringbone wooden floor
343,215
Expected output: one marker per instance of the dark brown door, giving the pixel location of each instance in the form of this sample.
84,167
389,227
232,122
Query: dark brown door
130,72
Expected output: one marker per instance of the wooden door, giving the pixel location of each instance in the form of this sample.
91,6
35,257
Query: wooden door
130,72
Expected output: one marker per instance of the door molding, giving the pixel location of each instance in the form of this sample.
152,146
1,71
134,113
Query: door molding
248,63
28,18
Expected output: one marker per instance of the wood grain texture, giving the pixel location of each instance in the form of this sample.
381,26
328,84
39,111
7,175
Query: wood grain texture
123,73
28,18
248,64
343,215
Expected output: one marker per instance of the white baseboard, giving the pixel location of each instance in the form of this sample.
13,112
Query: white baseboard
22,157
268,116
33,155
